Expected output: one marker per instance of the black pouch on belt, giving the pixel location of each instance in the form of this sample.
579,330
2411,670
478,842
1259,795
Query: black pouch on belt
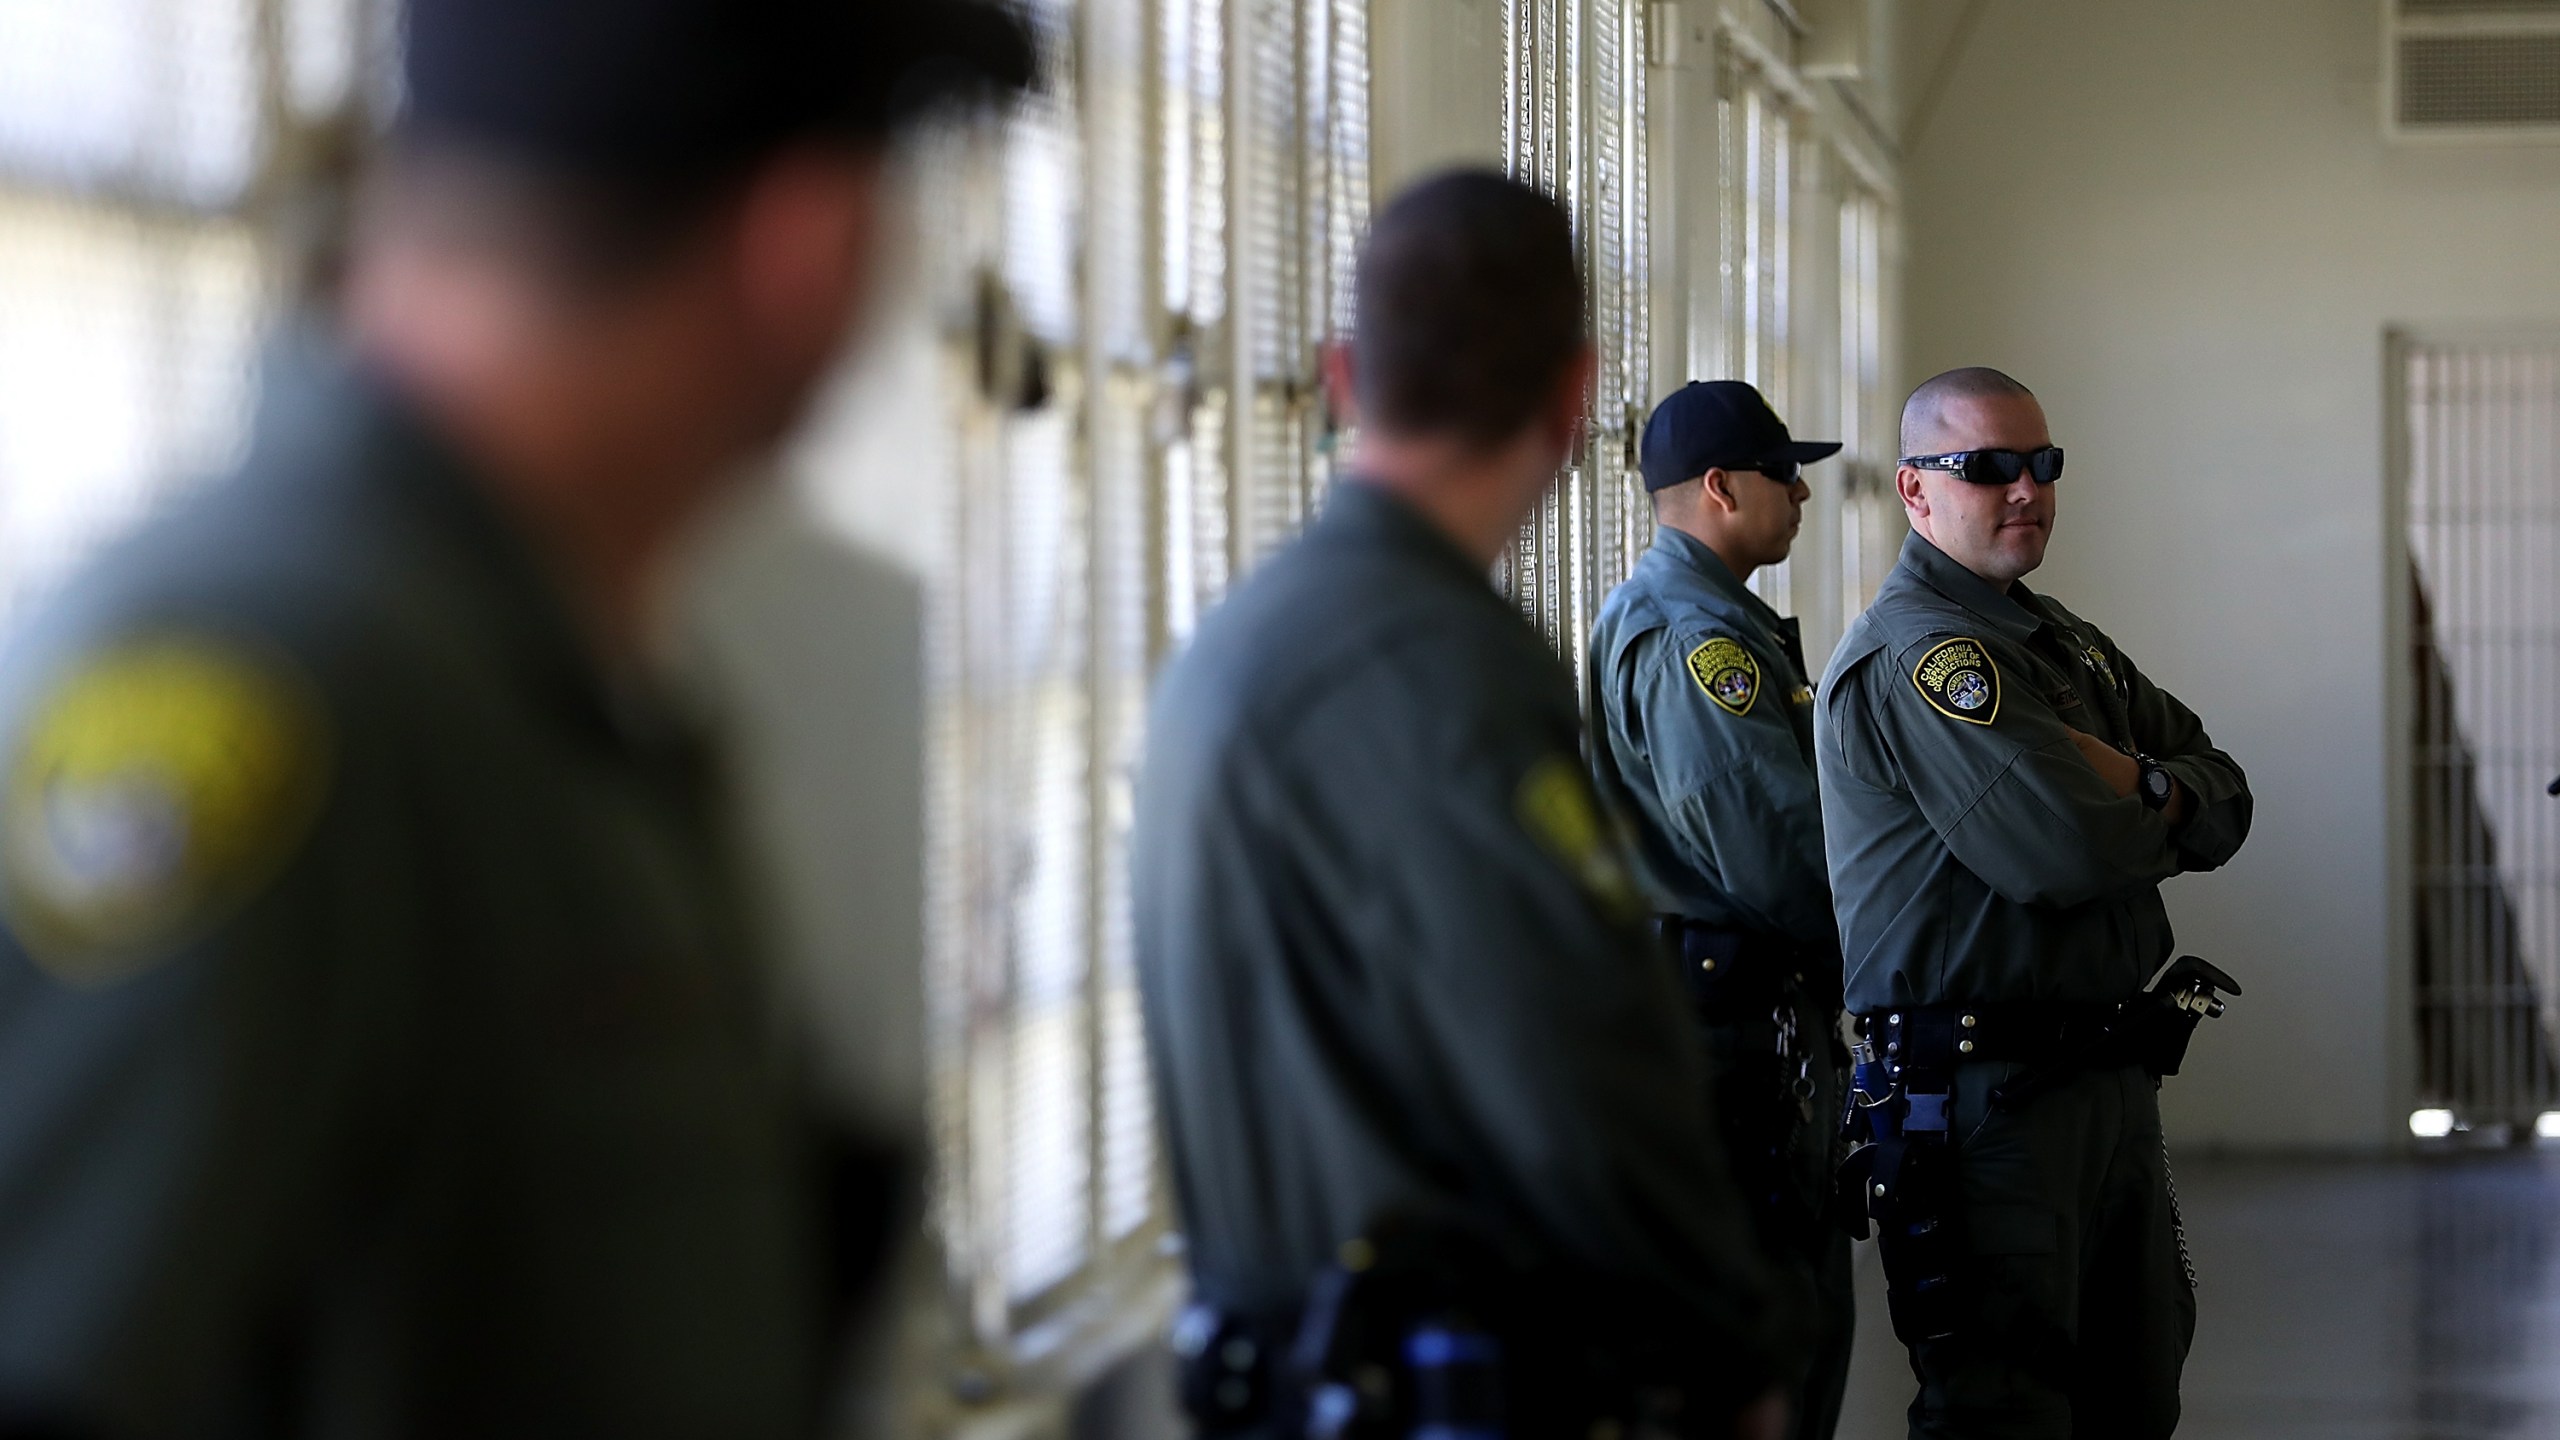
1725,973
2155,1026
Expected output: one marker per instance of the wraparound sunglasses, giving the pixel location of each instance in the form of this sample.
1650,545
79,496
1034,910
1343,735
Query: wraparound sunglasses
1994,467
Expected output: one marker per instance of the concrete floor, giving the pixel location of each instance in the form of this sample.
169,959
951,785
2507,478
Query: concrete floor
2352,1301
2415,1300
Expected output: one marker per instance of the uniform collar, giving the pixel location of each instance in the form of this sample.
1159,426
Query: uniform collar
1362,511
317,397
1681,556
2014,614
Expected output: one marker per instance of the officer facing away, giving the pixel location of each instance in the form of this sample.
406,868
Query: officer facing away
1429,1100
2004,791
1703,722
385,1047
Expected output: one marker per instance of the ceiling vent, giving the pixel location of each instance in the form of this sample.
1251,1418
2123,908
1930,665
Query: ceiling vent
2472,70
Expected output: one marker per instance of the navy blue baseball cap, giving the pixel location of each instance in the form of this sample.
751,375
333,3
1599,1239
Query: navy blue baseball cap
1719,425
649,87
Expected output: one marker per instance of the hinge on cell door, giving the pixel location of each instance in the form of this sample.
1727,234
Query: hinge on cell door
1177,391
1633,429
1328,423
1013,366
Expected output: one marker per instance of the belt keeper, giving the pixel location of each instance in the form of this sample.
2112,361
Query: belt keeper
1926,1112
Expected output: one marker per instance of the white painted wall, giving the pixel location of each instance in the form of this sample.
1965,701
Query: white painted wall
2179,223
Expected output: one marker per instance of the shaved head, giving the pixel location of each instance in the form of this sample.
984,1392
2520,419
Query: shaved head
1996,531
1924,416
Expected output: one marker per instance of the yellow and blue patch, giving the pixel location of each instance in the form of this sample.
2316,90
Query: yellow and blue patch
159,785
1727,672
1959,680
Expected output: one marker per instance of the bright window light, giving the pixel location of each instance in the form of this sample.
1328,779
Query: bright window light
2547,1125
2433,1124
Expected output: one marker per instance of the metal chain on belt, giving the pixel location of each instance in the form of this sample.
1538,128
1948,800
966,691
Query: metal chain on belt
2177,1218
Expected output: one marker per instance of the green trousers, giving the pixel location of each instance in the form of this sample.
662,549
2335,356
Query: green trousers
1751,1095
2077,1302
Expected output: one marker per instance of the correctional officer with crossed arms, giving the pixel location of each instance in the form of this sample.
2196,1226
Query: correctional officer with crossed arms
2003,791
1702,734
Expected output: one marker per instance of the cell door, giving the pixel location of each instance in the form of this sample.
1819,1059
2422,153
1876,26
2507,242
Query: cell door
2480,455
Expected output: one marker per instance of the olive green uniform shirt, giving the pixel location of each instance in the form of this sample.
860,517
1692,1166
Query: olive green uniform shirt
1976,857
383,1047
1703,731
1392,957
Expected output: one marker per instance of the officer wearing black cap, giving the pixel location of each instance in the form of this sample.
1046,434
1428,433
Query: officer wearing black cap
386,1044
1702,722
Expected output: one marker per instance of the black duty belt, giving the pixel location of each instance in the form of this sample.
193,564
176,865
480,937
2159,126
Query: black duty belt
1936,1038
1902,1174
1915,1049
1425,1334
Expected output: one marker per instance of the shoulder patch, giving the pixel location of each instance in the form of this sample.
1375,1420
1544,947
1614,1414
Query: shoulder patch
1958,678
1556,806
158,785
1727,673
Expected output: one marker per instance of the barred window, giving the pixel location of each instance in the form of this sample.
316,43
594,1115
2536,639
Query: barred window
1159,245
134,281
1756,126
1575,125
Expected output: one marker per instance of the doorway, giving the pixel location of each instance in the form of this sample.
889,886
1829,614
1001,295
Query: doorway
2479,458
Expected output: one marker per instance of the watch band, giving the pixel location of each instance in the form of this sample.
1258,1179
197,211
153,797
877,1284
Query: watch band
2154,794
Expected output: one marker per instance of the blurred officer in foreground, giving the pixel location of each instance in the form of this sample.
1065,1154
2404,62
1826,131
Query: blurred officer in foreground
1433,1112
1703,733
386,1052
2004,791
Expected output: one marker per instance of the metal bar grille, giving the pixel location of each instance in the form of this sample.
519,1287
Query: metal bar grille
1122,253
1576,126
135,272
1869,510
1756,129
1767,239
1199,497
1540,59
1036,685
1271,274
2482,427
1169,227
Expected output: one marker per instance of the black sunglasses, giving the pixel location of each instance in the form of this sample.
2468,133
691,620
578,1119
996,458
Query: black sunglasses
1782,471
1994,467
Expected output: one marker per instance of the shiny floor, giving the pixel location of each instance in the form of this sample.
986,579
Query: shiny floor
2417,1300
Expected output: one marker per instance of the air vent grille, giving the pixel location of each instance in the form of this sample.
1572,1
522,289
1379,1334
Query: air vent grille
2430,8
2472,70
2479,81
